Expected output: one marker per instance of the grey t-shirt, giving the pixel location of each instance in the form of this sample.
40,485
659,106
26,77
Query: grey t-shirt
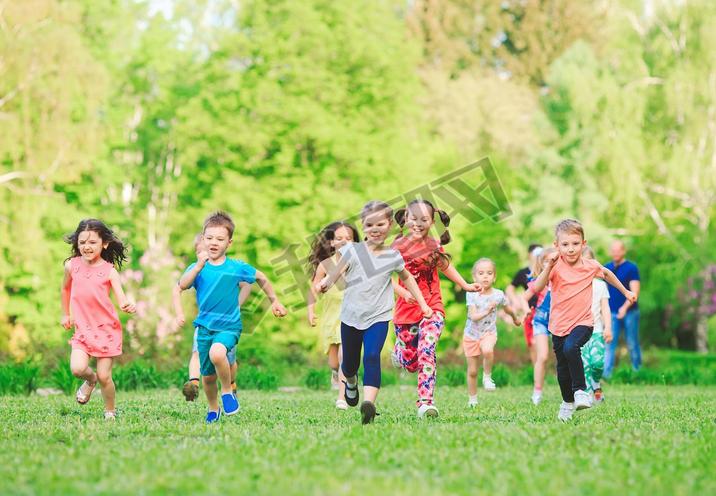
368,297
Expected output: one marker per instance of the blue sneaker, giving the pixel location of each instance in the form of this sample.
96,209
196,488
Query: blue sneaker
212,417
230,402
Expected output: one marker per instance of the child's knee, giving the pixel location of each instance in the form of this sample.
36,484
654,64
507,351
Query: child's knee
209,379
217,353
104,377
77,370
372,360
572,351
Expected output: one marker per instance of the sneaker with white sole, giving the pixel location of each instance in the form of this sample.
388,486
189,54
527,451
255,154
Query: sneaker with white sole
598,396
341,404
426,410
472,402
536,397
566,410
230,403
582,400
110,415
488,383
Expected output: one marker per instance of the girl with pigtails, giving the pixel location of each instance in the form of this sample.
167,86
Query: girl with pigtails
416,336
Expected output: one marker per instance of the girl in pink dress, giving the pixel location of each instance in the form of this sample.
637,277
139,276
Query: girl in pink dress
89,274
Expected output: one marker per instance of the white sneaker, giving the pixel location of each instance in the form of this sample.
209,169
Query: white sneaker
488,383
472,403
110,415
536,397
341,404
566,410
582,400
427,411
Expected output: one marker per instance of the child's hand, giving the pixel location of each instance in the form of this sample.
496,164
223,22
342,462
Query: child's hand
491,306
607,336
278,309
631,296
473,288
68,322
312,321
552,258
516,321
201,258
128,307
322,285
180,320
427,311
407,296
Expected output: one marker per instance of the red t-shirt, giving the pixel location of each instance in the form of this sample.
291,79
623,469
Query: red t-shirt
422,260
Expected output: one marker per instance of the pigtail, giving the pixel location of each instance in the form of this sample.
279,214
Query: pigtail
445,219
400,220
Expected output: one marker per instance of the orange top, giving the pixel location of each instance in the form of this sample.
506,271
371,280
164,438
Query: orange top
571,287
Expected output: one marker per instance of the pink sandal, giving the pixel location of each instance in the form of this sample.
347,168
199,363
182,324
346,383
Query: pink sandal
81,397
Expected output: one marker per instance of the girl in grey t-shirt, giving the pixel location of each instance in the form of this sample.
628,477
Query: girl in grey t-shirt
368,302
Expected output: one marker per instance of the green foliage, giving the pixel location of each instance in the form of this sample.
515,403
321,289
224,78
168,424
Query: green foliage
250,377
18,378
61,377
453,376
317,379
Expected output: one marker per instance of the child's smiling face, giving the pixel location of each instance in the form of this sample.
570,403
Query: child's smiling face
90,246
341,236
418,220
570,246
216,241
376,227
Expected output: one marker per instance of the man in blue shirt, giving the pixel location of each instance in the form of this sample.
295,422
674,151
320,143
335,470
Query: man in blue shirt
625,315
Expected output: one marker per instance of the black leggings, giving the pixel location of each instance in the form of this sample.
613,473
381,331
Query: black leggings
372,340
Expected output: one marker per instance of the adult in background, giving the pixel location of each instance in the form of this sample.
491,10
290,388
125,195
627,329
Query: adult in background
527,308
625,315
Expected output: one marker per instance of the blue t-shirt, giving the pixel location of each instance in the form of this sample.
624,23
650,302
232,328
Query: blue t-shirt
217,294
626,272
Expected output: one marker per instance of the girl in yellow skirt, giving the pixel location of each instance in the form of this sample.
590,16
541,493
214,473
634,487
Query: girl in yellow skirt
323,252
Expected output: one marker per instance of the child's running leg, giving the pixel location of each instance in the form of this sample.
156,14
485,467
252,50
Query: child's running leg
191,387
79,366
541,347
211,390
352,341
473,366
405,352
571,349
428,336
487,345
593,359
217,355
563,376
373,341
104,376
194,373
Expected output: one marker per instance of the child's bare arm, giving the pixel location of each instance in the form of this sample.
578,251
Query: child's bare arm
543,278
244,292
511,312
332,274
451,273
276,307
313,294
401,291
607,319
124,303
176,302
67,321
612,279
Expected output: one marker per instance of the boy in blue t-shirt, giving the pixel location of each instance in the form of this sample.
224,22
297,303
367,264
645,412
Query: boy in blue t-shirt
216,279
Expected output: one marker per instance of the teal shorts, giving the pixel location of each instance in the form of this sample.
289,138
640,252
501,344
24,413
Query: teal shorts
205,338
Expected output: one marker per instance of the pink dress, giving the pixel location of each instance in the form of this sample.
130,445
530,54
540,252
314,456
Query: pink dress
97,329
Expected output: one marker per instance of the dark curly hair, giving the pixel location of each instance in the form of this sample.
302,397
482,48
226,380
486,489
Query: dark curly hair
116,251
321,247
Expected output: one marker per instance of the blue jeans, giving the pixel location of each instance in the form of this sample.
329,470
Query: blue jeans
630,324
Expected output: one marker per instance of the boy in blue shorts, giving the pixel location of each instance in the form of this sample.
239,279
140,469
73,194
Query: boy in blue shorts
216,279
191,386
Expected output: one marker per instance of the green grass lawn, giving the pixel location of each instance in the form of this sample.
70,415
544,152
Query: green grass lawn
643,440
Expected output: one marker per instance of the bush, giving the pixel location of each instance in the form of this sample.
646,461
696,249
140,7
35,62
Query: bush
455,376
389,377
61,377
250,377
18,378
317,379
501,375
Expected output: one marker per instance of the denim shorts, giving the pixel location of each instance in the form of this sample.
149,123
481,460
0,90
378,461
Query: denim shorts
231,355
539,329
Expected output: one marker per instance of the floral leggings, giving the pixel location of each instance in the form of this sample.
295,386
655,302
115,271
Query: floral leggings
593,360
415,352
